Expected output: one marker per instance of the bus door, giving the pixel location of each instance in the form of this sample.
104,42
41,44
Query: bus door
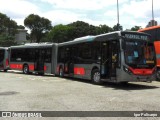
39,60
109,59
69,63
104,60
113,58
2,56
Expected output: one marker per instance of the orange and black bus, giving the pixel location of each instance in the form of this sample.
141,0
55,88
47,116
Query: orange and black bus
39,58
154,31
4,59
115,57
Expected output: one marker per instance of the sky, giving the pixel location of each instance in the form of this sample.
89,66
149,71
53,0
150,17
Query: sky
95,12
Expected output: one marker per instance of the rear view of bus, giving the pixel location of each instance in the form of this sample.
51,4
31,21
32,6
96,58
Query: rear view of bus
4,62
139,57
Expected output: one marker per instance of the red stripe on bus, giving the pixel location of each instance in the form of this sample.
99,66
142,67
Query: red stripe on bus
16,66
31,67
142,71
158,62
45,68
7,62
79,71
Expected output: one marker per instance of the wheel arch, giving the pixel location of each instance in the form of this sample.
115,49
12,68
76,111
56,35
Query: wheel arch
95,67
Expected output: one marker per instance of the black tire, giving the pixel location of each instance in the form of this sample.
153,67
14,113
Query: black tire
5,70
96,78
25,69
158,74
61,72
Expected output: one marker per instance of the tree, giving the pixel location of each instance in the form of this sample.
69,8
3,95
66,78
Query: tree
104,29
20,27
81,29
117,27
38,26
60,33
8,29
136,28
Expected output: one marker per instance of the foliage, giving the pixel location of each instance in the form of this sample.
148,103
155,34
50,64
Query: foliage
8,29
7,40
61,33
104,29
81,29
38,26
135,28
117,27
20,27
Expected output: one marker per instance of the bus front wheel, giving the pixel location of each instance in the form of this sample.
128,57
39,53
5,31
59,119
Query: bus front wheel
25,69
96,78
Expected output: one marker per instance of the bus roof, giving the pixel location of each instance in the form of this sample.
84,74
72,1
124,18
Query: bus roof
111,35
33,45
101,37
4,48
149,28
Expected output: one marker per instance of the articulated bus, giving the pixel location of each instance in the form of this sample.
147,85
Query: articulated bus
4,59
154,31
115,57
37,58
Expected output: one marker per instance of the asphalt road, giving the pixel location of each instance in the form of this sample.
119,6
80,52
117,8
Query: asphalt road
19,92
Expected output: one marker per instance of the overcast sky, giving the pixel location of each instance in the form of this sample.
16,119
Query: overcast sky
95,12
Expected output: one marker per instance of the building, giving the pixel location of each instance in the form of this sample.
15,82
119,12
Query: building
20,37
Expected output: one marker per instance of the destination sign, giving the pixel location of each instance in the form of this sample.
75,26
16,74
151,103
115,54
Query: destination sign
136,36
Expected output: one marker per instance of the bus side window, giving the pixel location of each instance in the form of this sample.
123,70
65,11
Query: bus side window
61,54
96,56
48,55
84,53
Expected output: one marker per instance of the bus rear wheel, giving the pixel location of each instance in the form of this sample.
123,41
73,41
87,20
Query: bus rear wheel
96,77
25,69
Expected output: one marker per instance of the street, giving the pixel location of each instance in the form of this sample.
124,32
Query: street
19,92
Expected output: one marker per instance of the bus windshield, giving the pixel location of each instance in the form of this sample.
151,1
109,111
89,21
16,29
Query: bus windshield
139,54
1,55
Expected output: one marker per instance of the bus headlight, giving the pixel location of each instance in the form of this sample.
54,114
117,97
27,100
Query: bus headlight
127,70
